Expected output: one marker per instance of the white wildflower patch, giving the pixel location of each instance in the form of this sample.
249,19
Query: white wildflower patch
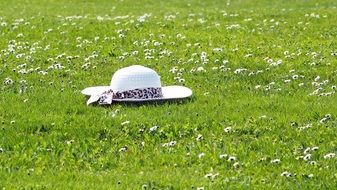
199,137
8,81
287,174
211,176
231,158
325,119
227,129
125,123
223,156
329,155
201,155
153,129
123,149
275,161
170,144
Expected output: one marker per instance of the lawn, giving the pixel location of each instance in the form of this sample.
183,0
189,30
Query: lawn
263,113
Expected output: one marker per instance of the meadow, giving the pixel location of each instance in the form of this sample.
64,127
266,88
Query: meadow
262,116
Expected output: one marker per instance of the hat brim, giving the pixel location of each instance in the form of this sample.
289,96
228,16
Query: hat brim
169,92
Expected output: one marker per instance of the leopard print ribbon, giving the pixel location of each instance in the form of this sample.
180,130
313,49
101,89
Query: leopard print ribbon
139,93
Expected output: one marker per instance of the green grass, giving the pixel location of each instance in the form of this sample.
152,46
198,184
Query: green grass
50,139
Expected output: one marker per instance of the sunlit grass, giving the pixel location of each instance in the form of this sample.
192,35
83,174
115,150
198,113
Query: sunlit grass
263,113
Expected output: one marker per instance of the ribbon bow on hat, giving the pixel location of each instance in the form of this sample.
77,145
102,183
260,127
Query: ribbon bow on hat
102,99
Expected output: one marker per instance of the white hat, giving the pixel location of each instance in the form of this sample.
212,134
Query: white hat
133,84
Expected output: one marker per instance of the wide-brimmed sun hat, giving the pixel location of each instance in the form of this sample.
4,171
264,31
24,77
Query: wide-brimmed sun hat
135,83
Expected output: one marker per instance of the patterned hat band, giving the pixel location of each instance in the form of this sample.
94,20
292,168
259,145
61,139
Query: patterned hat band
138,93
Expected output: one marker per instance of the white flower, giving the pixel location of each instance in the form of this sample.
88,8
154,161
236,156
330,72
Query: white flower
211,176
314,148
239,70
227,129
329,156
153,129
173,69
251,73
312,163
8,81
181,80
172,143
307,150
222,156
201,155
144,187
99,18
200,188
295,77
274,64
307,157
231,158
165,145
263,117
225,61
248,55
325,119
199,137
275,161
309,125
19,35
125,123
156,43
201,69
70,142
217,50
3,24
208,175
123,149
236,165
286,174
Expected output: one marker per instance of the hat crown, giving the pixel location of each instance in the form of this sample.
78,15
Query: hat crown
134,77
